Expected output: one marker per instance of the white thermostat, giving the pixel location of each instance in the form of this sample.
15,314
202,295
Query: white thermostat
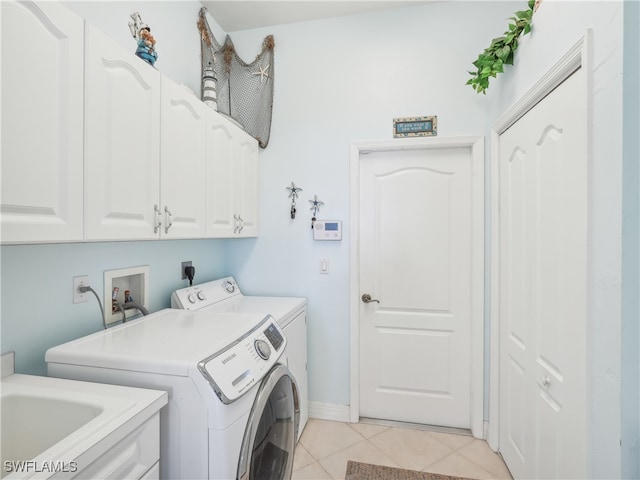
327,230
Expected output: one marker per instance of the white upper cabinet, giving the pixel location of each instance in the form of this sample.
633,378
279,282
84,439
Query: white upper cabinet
232,179
220,159
146,162
98,145
122,175
246,185
42,116
183,162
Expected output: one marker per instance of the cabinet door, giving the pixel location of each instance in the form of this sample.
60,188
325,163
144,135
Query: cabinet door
124,455
221,156
42,122
122,142
246,185
182,162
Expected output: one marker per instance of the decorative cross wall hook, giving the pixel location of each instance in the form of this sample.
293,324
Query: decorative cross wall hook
293,195
315,208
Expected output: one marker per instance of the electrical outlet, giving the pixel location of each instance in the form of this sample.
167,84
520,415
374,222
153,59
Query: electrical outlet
183,276
79,297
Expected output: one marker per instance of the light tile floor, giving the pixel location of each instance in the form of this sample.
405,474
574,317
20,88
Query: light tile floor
325,447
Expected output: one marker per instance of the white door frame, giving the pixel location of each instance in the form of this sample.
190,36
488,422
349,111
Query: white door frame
577,57
358,151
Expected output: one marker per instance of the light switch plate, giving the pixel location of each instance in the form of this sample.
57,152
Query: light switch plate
324,265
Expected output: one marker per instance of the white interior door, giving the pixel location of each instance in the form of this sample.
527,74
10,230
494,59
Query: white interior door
417,259
543,239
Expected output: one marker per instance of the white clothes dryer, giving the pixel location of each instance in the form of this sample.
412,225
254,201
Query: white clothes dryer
231,411
224,296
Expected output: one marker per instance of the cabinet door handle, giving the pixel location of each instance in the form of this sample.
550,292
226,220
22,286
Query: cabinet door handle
158,215
168,219
238,223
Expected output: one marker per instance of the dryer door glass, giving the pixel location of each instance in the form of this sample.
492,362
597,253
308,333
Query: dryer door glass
269,440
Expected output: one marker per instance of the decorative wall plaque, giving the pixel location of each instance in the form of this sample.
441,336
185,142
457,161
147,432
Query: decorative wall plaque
415,127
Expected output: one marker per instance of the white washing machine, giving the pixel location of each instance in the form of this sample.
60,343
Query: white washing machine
231,411
224,296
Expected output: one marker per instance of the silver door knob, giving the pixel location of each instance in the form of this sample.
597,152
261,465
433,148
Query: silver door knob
366,298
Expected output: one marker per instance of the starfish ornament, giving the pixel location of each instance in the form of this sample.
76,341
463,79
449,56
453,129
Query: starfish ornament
293,194
263,72
293,191
315,206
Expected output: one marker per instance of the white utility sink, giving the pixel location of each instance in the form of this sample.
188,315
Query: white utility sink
32,424
52,425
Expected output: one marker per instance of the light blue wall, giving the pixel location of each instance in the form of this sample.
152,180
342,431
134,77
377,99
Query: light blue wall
37,311
338,81
342,80
631,245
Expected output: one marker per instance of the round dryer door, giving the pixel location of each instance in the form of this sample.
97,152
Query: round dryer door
269,439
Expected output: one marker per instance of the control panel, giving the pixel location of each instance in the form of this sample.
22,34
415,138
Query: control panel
232,371
204,294
327,230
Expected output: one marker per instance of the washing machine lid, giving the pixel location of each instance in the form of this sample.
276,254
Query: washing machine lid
224,296
167,342
281,308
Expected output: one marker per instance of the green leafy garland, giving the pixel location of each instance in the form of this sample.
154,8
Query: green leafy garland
500,52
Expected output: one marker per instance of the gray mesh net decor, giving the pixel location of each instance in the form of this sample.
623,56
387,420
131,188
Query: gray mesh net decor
243,91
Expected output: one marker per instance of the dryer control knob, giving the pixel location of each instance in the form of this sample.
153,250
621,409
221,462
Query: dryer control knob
229,286
263,349
191,298
201,296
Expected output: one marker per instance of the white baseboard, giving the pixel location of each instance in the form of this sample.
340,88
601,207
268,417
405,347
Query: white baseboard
490,436
329,411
